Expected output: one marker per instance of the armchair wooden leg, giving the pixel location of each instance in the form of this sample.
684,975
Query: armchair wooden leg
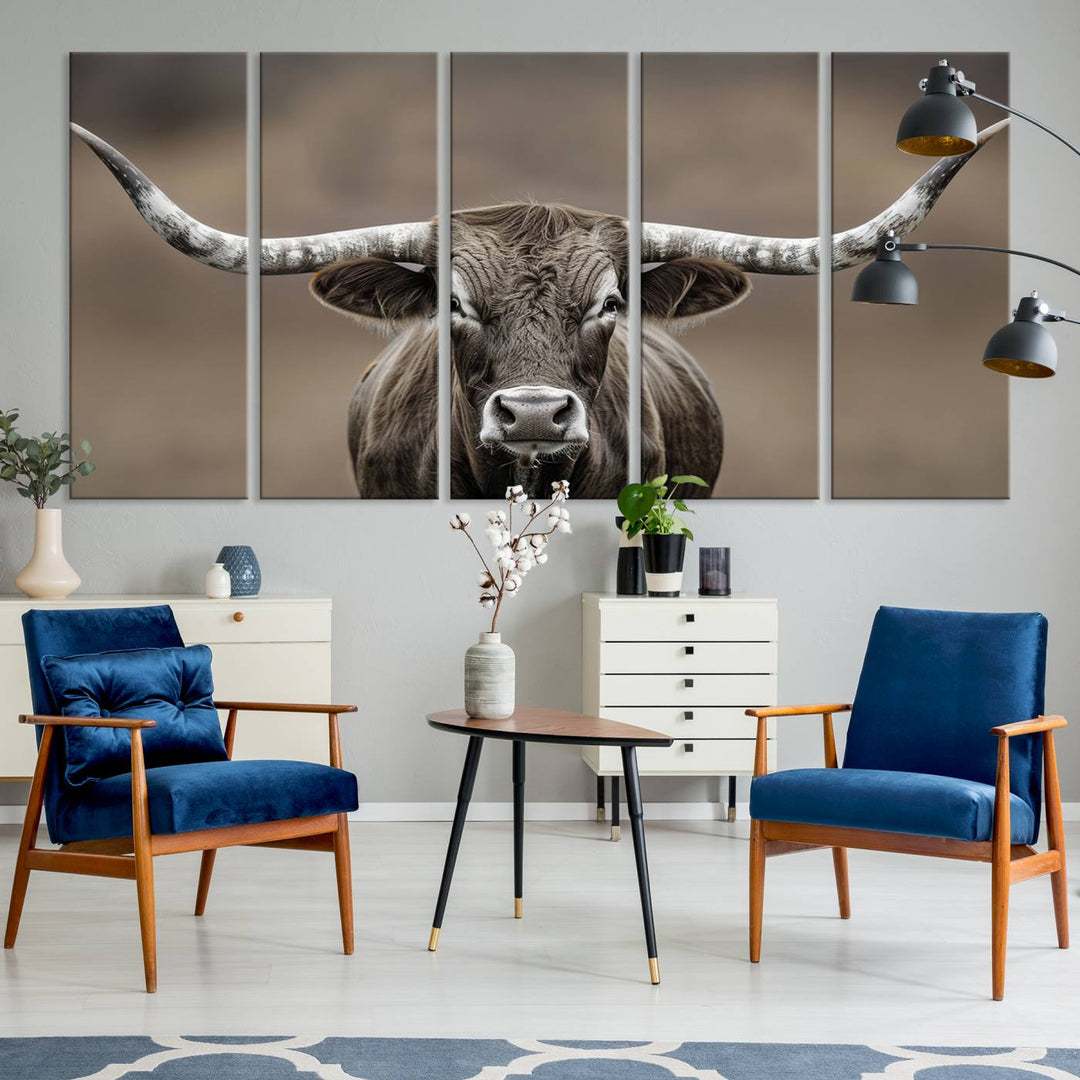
27,841
206,871
757,888
1000,870
343,866
144,861
839,858
1055,830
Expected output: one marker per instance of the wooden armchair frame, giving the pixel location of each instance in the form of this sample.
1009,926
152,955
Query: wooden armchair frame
1010,863
132,857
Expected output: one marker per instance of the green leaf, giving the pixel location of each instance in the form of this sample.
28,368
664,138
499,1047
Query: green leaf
687,533
85,444
86,468
635,501
24,492
7,472
680,505
67,478
659,481
695,480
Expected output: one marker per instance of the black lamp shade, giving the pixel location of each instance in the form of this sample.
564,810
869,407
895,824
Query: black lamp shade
886,281
1023,348
939,124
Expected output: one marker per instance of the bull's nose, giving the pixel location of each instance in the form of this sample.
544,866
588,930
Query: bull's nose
541,418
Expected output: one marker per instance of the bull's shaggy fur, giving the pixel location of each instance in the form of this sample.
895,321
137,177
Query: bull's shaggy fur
532,272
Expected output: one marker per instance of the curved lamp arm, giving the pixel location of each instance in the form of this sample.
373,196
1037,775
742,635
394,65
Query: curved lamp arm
980,247
1016,112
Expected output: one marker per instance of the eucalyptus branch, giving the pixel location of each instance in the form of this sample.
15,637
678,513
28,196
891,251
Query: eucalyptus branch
48,462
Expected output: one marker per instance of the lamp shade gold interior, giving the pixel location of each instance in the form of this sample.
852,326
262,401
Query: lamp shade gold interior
937,125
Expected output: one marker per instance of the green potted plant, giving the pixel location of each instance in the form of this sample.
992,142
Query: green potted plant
651,509
39,466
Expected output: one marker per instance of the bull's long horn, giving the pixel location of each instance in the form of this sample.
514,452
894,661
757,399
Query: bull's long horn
779,255
227,251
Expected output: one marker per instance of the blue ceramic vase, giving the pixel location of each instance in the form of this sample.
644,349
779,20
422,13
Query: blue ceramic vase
244,573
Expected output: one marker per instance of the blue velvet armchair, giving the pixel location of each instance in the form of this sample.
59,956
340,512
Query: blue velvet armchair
947,751
132,763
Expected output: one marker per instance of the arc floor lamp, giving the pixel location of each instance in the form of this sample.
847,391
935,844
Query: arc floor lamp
940,124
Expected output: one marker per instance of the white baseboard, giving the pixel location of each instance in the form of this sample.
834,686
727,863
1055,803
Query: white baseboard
542,811
12,814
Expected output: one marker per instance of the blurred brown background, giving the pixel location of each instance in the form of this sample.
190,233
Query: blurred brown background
158,365
547,127
915,414
348,140
730,141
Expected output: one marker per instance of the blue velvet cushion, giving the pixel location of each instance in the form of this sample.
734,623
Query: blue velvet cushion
65,632
933,684
208,795
903,802
173,687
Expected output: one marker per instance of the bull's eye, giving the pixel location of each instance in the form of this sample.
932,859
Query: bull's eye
612,305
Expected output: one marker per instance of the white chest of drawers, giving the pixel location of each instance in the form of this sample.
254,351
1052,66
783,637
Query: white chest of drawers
277,650
686,666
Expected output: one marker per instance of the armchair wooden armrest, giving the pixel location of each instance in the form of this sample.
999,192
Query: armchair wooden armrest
1029,727
330,711
761,747
87,721
281,706
797,710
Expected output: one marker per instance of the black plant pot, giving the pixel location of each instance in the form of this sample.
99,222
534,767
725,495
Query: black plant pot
664,556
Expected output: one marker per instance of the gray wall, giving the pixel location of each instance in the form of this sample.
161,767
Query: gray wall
404,606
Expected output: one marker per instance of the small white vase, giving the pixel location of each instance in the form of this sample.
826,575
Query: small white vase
48,575
489,678
218,582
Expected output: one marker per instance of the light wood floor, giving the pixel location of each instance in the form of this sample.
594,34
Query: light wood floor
912,965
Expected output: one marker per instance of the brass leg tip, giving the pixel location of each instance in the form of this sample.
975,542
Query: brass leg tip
433,940
616,832
731,813
600,813
519,907
654,971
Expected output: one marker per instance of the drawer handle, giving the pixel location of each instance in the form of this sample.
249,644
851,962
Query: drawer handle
689,616
688,715
689,650
238,616
688,747
688,684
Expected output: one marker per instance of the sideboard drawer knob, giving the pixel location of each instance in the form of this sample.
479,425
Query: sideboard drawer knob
689,650
689,616
238,616
688,715
688,684
688,747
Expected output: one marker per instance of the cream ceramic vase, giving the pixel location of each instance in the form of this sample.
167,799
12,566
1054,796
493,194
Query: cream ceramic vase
218,583
48,575
489,678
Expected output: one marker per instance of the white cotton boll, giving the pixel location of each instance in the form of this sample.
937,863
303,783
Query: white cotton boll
495,536
553,519
563,526
560,490
532,509
541,559
487,600
459,521
497,517
486,580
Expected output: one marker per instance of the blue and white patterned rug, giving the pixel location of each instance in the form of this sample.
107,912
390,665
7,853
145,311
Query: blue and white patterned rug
284,1058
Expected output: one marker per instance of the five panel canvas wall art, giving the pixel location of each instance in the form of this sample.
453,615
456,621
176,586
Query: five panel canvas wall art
539,370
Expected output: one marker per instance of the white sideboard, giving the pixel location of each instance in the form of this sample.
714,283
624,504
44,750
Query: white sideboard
266,648
688,666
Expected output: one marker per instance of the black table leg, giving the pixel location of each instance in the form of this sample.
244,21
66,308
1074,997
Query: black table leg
468,778
637,827
600,798
519,825
615,800
731,798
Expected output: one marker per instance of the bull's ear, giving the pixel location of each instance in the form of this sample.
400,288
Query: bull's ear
683,292
377,292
